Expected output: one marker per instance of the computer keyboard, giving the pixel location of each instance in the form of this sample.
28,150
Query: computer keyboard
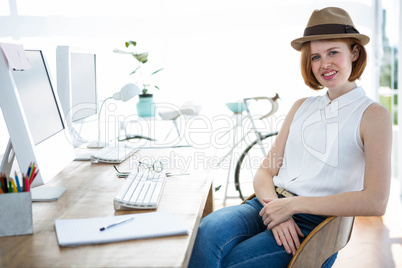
140,191
113,155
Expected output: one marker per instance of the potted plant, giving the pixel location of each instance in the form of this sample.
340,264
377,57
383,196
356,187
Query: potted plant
145,105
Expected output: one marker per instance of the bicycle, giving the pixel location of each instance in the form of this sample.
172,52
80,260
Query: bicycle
250,159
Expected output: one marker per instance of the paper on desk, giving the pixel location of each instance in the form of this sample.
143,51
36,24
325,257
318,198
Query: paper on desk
77,232
16,57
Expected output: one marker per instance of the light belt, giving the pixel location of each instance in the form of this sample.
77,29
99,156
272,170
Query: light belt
283,192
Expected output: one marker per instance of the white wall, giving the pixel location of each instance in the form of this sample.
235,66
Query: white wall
212,51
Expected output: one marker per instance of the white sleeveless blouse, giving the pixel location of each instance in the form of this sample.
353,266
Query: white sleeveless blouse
324,154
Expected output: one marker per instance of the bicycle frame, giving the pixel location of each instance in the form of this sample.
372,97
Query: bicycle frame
274,108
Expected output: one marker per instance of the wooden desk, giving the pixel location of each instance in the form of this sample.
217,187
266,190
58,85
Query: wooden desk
90,192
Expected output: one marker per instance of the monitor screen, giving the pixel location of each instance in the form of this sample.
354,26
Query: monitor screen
34,119
38,99
83,84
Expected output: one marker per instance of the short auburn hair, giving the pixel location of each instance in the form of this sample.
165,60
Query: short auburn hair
358,65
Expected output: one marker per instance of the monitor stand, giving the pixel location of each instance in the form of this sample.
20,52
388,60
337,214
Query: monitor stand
8,159
42,193
97,145
45,193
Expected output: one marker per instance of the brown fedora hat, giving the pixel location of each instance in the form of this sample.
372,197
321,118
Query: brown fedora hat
329,23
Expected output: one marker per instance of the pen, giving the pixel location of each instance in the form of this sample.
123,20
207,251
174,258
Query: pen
10,187
34,176
1,182
31,176
4,183
29,169
18,182
26,183
114,224
23,182
14,187
168,174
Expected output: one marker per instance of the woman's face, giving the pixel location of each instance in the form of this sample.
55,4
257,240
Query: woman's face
331,63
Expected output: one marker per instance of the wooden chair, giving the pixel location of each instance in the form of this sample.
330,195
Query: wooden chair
326,239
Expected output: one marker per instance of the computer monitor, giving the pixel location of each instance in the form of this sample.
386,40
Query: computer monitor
76,82
34,119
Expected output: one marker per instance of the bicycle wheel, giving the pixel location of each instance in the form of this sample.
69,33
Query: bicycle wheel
248,163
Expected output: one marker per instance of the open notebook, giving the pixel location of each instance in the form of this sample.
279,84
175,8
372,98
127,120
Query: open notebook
77,232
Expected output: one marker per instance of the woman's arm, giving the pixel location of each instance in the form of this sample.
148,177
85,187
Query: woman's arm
376,134
287,233
263,179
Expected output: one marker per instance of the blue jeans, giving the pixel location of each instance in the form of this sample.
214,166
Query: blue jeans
237,237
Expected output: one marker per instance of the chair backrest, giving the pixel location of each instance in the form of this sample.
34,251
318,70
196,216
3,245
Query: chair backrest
326,239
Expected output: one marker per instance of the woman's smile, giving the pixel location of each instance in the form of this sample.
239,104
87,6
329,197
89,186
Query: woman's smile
328,75
331,63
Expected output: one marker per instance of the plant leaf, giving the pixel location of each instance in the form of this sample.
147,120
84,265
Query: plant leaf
157,87
141,57
135,70
128,43
157,71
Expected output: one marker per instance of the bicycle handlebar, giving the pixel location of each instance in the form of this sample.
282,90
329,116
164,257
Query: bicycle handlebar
272,100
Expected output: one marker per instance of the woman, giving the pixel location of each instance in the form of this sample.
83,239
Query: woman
333,153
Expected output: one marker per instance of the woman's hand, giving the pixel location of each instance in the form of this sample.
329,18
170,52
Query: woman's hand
277,216
276,211
287,235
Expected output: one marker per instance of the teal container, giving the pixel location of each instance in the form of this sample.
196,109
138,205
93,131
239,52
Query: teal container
146,106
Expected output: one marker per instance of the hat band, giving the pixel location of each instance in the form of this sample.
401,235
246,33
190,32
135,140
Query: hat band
324,29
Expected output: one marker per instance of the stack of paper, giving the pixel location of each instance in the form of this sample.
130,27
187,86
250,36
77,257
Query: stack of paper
76,232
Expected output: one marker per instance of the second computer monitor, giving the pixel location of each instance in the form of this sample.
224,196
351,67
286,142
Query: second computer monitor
76,82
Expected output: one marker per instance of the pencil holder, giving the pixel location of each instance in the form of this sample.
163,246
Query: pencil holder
15,214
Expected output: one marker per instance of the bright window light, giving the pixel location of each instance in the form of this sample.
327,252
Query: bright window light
76,8
4,8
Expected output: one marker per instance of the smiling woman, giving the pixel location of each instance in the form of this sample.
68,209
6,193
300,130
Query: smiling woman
333,153
308,59
332,65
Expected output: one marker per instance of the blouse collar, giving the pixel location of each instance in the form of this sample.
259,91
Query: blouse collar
345,99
